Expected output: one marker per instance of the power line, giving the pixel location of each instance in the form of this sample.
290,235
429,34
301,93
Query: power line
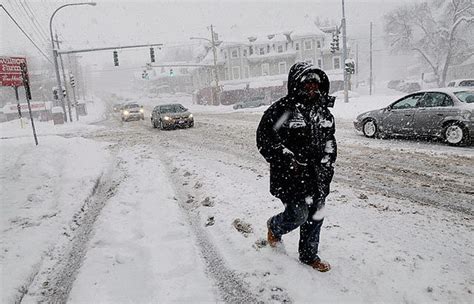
24,12
22,21
35,19
45,56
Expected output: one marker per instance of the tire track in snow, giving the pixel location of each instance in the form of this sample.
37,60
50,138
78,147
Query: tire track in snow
54,280
232,287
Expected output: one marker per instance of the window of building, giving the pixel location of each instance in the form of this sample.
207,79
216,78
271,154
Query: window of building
282,67
236,72
280,49
226,73
235,54
245,52
336,63
318,44
308,45
297,46
320,63
251,50
261,51
265,69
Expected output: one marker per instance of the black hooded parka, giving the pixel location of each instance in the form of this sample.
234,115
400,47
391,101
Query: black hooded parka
296,137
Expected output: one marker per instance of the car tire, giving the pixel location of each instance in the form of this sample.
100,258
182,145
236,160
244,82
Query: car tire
369,128
191,124
456,134
160,125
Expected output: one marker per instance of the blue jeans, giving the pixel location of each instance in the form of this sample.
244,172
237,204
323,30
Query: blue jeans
298,213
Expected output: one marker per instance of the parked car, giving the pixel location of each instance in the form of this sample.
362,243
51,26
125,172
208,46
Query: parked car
171,116
461,83
446,113
251,103
408,87
132,111
393,84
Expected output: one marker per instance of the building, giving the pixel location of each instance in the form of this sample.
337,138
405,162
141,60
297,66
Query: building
269,55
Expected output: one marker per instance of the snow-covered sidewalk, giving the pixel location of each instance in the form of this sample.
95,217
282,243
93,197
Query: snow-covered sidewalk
41,188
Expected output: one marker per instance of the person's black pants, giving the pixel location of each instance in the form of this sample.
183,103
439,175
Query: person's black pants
299,212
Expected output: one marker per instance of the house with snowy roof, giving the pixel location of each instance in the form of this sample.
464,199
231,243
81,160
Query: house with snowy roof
272,54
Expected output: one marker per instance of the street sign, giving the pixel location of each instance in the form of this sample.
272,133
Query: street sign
10,71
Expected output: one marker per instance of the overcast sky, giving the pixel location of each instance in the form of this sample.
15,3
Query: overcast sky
119,23
125,22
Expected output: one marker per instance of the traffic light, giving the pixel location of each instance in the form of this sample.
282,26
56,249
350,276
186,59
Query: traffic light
152,55
171,72
64,92
55,94
116,61
335,42
72,81
144,74
349,66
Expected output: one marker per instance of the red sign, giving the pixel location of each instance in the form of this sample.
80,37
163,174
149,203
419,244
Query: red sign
10,71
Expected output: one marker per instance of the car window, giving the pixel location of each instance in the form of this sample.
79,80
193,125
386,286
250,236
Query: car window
132,105
407,102
465,96
172,109
435,99
467,83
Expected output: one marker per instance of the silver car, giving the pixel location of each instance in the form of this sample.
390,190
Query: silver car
171,116
446,113
251,103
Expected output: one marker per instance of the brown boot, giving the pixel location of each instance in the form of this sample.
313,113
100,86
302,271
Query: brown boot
321,266
273,241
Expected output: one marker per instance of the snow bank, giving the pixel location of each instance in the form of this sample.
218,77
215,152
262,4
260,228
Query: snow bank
41,188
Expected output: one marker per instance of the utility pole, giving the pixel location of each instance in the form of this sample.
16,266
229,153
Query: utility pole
344,55
357,65
370,62
215,63
73,86
65,81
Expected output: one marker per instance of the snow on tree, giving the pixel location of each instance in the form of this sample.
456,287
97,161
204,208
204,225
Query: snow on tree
440,31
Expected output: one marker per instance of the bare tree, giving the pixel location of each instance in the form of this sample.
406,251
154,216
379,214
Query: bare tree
440,31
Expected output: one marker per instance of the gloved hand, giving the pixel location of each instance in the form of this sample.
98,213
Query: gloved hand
297,166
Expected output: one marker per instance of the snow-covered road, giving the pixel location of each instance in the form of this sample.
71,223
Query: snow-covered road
186,219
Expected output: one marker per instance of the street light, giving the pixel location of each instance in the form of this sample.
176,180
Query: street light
55,52
213,44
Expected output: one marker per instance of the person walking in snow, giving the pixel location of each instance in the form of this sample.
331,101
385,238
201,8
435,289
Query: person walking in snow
296,137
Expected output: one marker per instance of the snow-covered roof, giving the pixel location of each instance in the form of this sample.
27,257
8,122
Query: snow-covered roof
266,39
272,54
307,30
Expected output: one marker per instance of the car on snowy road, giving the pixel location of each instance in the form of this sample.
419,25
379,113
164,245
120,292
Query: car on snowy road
132,111
461,83
251,103
445,113
171,116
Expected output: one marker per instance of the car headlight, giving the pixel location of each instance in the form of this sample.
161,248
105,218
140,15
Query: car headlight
190,116
125,113
467,115
166,118
142,111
